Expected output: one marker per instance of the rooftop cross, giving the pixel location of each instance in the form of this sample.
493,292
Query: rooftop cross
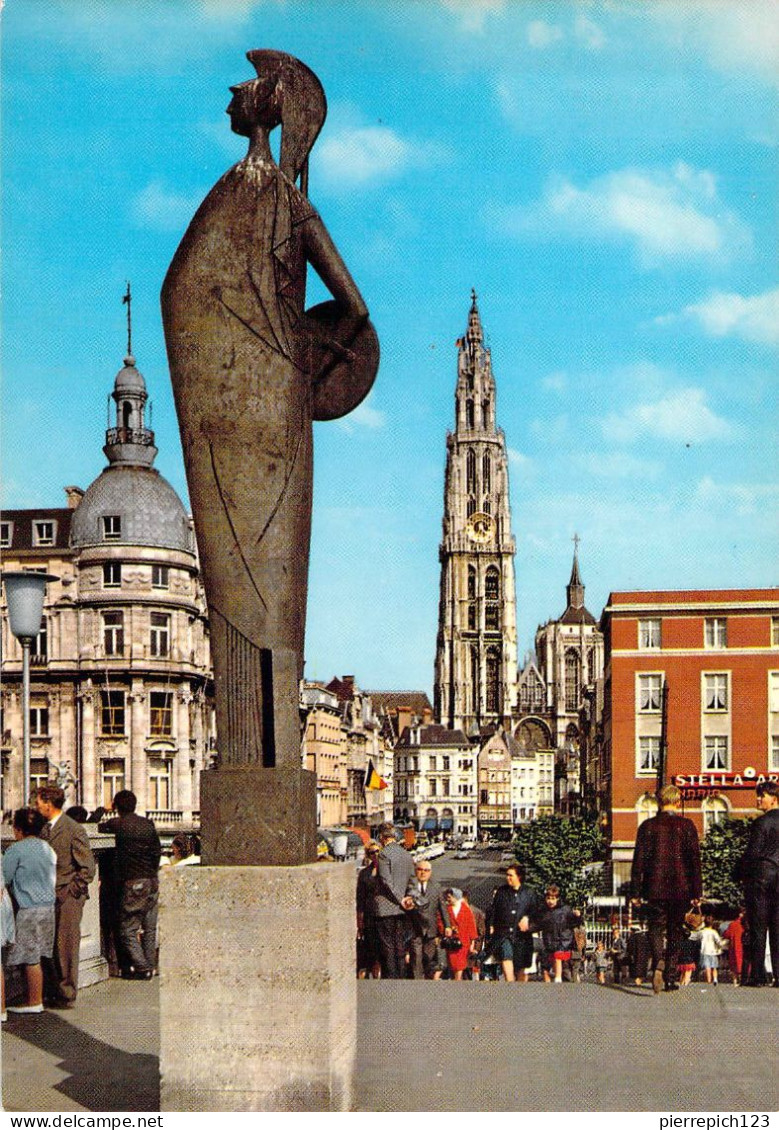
127,298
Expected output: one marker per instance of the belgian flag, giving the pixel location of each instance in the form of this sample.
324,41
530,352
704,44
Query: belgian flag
373,780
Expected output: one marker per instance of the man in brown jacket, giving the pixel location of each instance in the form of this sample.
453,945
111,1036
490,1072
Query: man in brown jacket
666,875
75,871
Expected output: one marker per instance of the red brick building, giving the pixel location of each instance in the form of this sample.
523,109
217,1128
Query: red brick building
691,697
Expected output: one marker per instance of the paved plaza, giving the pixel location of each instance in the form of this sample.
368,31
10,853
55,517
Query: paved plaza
427,1046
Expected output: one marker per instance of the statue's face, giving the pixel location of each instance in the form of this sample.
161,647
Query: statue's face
254,103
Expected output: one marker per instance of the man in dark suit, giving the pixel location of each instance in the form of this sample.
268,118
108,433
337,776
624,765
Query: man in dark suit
425,901
759,870
394,870
75,871
136,867
666,875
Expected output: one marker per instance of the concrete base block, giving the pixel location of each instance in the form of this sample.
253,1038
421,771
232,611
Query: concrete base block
258,994
251,815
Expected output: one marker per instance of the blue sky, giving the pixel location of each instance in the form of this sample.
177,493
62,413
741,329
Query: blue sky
604,174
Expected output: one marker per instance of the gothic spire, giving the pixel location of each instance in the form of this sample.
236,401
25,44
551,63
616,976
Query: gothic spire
474,334
575,588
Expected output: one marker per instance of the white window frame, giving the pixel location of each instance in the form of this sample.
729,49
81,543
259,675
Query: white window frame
649,686
160,576
6,534
160,772
715,633
111,780
112,527
713,759
44,531
39,721
653,758
775,631
716,692
159,635
773,754
113,633
112,567
650,634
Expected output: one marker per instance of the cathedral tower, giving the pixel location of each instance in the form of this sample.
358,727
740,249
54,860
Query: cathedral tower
476,652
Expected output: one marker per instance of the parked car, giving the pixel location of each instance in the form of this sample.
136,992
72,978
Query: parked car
461,854
508,857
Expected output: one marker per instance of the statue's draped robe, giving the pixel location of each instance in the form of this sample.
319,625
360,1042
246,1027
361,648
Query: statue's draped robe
233,313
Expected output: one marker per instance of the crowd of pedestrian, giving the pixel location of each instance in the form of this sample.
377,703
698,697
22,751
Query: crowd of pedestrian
47,872
409,926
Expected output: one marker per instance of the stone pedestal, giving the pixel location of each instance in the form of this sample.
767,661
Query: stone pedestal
258,992
251,815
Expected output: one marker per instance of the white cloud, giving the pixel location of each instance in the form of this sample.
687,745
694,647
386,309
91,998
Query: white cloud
156,206
540,34
754,318
363,416
555,382
733,36
356,155
590,34
473,13
682,415
517,459
665,214
742,498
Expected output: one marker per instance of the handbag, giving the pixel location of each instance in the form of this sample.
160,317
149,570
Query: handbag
452,944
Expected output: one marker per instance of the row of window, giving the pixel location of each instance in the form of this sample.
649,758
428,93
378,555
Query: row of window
159,780
715,633
159,634
112,575
44,531
715,753
112,715
716,692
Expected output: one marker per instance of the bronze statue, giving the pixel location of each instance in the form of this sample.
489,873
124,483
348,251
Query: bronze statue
251,368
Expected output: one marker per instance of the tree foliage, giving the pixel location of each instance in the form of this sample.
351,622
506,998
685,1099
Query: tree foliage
721,850
555,849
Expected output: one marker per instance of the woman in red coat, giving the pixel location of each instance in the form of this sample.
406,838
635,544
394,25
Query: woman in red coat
461,924
735,938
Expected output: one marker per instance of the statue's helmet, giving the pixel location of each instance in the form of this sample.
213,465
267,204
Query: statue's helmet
302,103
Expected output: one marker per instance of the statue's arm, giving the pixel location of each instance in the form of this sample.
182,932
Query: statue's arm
323,256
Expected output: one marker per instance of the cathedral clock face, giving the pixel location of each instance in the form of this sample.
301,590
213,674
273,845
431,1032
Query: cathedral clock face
481,528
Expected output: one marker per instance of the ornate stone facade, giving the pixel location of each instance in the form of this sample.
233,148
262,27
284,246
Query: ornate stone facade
476,652
121,689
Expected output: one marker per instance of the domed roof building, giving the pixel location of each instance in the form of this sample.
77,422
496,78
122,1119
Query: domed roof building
122,693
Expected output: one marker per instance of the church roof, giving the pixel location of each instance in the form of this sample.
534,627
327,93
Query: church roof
577,616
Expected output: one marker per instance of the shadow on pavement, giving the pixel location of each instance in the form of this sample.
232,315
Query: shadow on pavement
98,1075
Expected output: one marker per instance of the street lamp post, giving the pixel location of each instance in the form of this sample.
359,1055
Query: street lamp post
25,593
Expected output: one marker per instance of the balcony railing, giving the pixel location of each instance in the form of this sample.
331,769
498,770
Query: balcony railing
142,436
166,816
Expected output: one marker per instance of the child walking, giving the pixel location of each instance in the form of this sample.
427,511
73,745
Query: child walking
711,947
556,924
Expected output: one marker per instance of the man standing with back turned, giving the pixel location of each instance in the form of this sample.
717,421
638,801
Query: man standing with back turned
395,869
759,870
666,875
136,865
